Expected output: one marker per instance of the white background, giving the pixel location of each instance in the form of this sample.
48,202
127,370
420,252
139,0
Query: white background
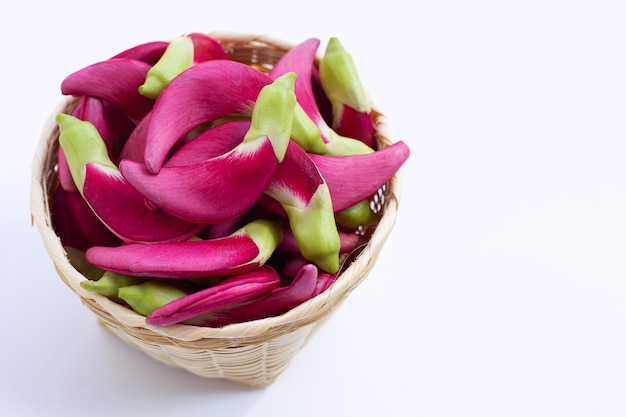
502,289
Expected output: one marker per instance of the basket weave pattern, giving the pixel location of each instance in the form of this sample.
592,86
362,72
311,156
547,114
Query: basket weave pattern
252,353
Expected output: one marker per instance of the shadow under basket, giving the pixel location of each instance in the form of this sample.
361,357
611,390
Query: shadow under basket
252,353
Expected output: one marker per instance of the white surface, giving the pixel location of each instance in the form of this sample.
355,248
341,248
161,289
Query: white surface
502,291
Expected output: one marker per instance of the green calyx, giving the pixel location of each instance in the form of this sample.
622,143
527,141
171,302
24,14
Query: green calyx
148,296
82,144
178,57
342,145
315,230
340,79
306,134
110,283
360,214
267,234
272,114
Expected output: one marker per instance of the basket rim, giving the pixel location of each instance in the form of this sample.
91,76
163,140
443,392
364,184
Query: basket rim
309,312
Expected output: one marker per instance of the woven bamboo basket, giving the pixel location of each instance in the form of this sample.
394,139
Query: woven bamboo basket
252,353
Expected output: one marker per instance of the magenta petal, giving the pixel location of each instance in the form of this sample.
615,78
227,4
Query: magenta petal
135,146
123,209
109,121
289,263
357,125
221,229
301,60
353,178
206,48
65,176
297,174
274,303
88,223
324,281
230,255
211,191
149,52
213,142
272,205
119,125
234,290
64,225
350,241
116,81
205,92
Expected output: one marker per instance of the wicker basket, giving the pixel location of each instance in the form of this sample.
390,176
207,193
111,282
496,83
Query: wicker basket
252,353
